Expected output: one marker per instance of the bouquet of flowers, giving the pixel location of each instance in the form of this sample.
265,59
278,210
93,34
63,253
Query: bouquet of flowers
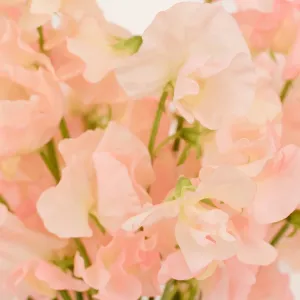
163,165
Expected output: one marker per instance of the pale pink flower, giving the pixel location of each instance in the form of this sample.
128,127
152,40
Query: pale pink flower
290,117
100,55
65,208
126,268
277,178
205,234
185,46
24,260
231,281
271,284
123,173
86,186
271,25
31,103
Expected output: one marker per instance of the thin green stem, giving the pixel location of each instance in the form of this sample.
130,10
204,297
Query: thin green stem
50,159
180,122
79,296
41,39
97,223
3,201
155,126
280,234
285,90
64,131
65,295
82,251
166,141
185,152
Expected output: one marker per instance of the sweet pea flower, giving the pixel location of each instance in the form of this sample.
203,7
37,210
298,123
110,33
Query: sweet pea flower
197,59
102,55
269,24
123,172
126,268
29,269
205,234
31,103
35,13
271,284
87,188
261,156
232,280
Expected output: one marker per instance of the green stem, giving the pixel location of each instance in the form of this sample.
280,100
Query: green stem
65,295
285,90
64,131
184,154
82,251
97,223
280,234
79,296
51,161
3,201
155,127
41,39
166,141
180,122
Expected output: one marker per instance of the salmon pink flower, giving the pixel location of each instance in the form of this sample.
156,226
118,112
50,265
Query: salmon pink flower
86,186
126,268
29,270
31,104
205,234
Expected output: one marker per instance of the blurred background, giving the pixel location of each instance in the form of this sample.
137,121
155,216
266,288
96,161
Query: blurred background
136,15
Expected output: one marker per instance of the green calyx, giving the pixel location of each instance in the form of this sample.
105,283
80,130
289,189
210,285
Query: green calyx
183,184
294,218
67,263
93,119
130,45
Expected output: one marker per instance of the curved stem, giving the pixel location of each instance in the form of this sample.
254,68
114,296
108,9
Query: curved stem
50,160
155,126
65,295
64,129
184,154
285,90
82,252
166,141
180,122
280,234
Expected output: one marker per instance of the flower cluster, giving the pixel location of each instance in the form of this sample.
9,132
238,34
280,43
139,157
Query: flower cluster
166,164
